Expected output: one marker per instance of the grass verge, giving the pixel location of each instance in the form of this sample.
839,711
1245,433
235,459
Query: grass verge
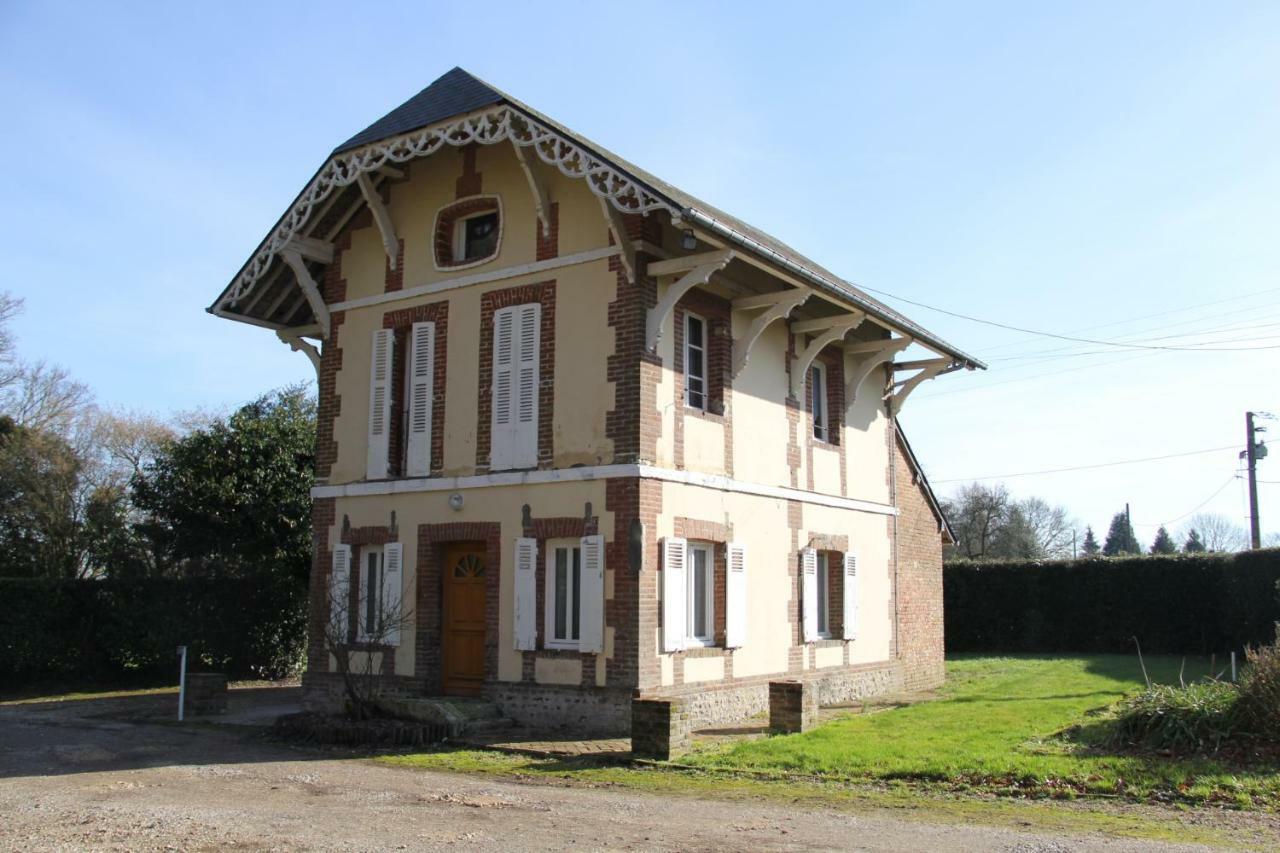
1031,727
897,798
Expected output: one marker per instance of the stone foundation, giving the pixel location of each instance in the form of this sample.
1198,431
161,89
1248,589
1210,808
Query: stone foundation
659,728
793,707
711,704
589,710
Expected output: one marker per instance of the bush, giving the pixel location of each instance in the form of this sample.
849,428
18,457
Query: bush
105,630
1183,604
1260,691
1196,717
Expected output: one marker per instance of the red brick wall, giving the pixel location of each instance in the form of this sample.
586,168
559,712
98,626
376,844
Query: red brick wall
918,551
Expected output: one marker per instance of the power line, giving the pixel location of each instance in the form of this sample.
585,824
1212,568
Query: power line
1156,315
1198,507
1088,467
1054,335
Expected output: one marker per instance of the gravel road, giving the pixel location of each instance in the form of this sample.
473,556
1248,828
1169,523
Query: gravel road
70,782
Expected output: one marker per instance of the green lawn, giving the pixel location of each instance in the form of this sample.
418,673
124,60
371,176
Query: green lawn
1013,725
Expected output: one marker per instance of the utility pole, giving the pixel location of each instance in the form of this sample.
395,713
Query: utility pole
1251,454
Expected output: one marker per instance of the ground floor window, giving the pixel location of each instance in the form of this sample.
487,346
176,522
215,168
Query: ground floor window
824,594
371,580
564,594
701,610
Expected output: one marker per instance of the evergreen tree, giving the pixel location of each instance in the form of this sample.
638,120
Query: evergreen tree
1164,543
1195,544
1090,548
1120,538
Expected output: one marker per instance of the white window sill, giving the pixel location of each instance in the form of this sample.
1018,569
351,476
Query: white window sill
562,645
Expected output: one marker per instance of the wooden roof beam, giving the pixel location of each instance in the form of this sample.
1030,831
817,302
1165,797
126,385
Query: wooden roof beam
308,287
699,273
777,307
873,354
381,216
828,330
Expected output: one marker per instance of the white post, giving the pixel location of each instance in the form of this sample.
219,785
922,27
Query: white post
1233,667
182,681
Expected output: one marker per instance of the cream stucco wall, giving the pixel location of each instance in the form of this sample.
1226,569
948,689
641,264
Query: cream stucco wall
582,393
502,505
761,524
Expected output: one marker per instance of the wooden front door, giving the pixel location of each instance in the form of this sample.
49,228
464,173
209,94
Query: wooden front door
462,641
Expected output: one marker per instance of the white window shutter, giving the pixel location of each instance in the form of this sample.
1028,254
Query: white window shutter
529,335
392,591
339,592
809,589
526,560
675,590
380,404
735,595
501,432
850,596
591,595
422,349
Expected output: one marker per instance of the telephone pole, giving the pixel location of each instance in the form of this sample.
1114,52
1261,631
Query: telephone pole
1251,454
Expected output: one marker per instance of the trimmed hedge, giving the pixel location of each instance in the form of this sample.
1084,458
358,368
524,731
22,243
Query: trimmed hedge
1177,604
102,630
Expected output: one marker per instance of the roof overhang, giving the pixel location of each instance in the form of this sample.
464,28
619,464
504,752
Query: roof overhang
268,292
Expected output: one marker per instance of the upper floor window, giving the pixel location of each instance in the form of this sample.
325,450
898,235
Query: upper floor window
695,361
517,334
475,237
468,232
818,400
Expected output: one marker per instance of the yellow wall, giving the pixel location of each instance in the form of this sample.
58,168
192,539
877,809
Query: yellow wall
495,504
761,524
582,393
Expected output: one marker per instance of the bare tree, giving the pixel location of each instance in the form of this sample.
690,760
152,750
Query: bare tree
1218,532
976,514
1271,540
10,307
44,397
360,637
1050,525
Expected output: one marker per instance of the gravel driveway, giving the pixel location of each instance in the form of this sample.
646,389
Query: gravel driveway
68,781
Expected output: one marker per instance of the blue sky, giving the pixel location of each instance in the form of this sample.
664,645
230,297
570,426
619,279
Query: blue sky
1063,167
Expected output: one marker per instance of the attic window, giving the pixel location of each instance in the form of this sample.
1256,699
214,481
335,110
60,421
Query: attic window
475,237
468,232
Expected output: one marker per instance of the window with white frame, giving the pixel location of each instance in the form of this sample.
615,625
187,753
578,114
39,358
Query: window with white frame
475,237
564,594
824,594
701,605
818,400
695,361
371,594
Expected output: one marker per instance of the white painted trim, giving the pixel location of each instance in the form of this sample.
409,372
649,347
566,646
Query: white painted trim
478,278
716,482
381,216
309,288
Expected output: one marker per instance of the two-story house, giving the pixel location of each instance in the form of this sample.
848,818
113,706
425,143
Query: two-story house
601,439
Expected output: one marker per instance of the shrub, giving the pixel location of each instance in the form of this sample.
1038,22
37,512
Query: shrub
1184,604
103,630
1260,691
1182,719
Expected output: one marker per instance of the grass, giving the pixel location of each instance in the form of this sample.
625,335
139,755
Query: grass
1025,726
900,799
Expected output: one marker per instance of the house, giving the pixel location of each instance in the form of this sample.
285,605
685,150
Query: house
603,440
